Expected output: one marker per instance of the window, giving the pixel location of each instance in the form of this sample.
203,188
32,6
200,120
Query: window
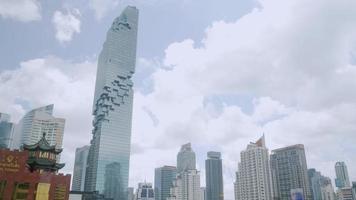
2,189
20,191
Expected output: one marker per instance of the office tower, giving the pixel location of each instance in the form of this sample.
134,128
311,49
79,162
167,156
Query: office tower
342,176
289,172
80,165
31,127
327,190
320,186
145,192
253,179
344,193
202,193
354,190
186,186
214,176
164,177
6,131
110,146
130,193
186,158
315,183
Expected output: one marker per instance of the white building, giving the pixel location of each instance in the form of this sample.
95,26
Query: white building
253,179
186,186
35,123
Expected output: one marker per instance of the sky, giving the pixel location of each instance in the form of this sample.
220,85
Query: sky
218,74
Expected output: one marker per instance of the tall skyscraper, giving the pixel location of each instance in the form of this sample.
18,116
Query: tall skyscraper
6,131
164,177
354,190
186,158
186,186
289,172
342,176
145,192
31,127
320,186
80,166
253,179
202,193
214,176
327,190
110,146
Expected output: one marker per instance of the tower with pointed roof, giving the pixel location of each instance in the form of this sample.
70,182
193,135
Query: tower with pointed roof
253,178
43,156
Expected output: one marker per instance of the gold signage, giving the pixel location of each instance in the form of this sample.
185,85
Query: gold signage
9,163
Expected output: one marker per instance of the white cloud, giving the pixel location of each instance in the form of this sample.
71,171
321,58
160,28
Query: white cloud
66,24
102,7
68,85
289,60
22,10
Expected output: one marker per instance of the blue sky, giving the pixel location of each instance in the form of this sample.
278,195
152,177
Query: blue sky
161,23
214,73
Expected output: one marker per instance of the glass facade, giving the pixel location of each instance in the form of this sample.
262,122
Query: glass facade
112,107
342,176
289,172
80,164
214,176
6,131
164,177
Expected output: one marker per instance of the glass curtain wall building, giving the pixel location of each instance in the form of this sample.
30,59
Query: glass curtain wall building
164,177
109,154
6,131
214,176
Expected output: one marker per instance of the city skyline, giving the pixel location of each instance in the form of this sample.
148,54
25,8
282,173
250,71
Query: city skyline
217,78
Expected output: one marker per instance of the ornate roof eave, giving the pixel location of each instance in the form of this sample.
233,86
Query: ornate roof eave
42,144
55,166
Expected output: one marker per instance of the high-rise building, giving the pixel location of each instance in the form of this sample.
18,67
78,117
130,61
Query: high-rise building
186,186
214,176
320,186
327,190
253,179
289,172
164,177
130,193
31,127
354,190
6,131
80,166
315,183
145,192
344,193
186,158
342,176
109,152
202,193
